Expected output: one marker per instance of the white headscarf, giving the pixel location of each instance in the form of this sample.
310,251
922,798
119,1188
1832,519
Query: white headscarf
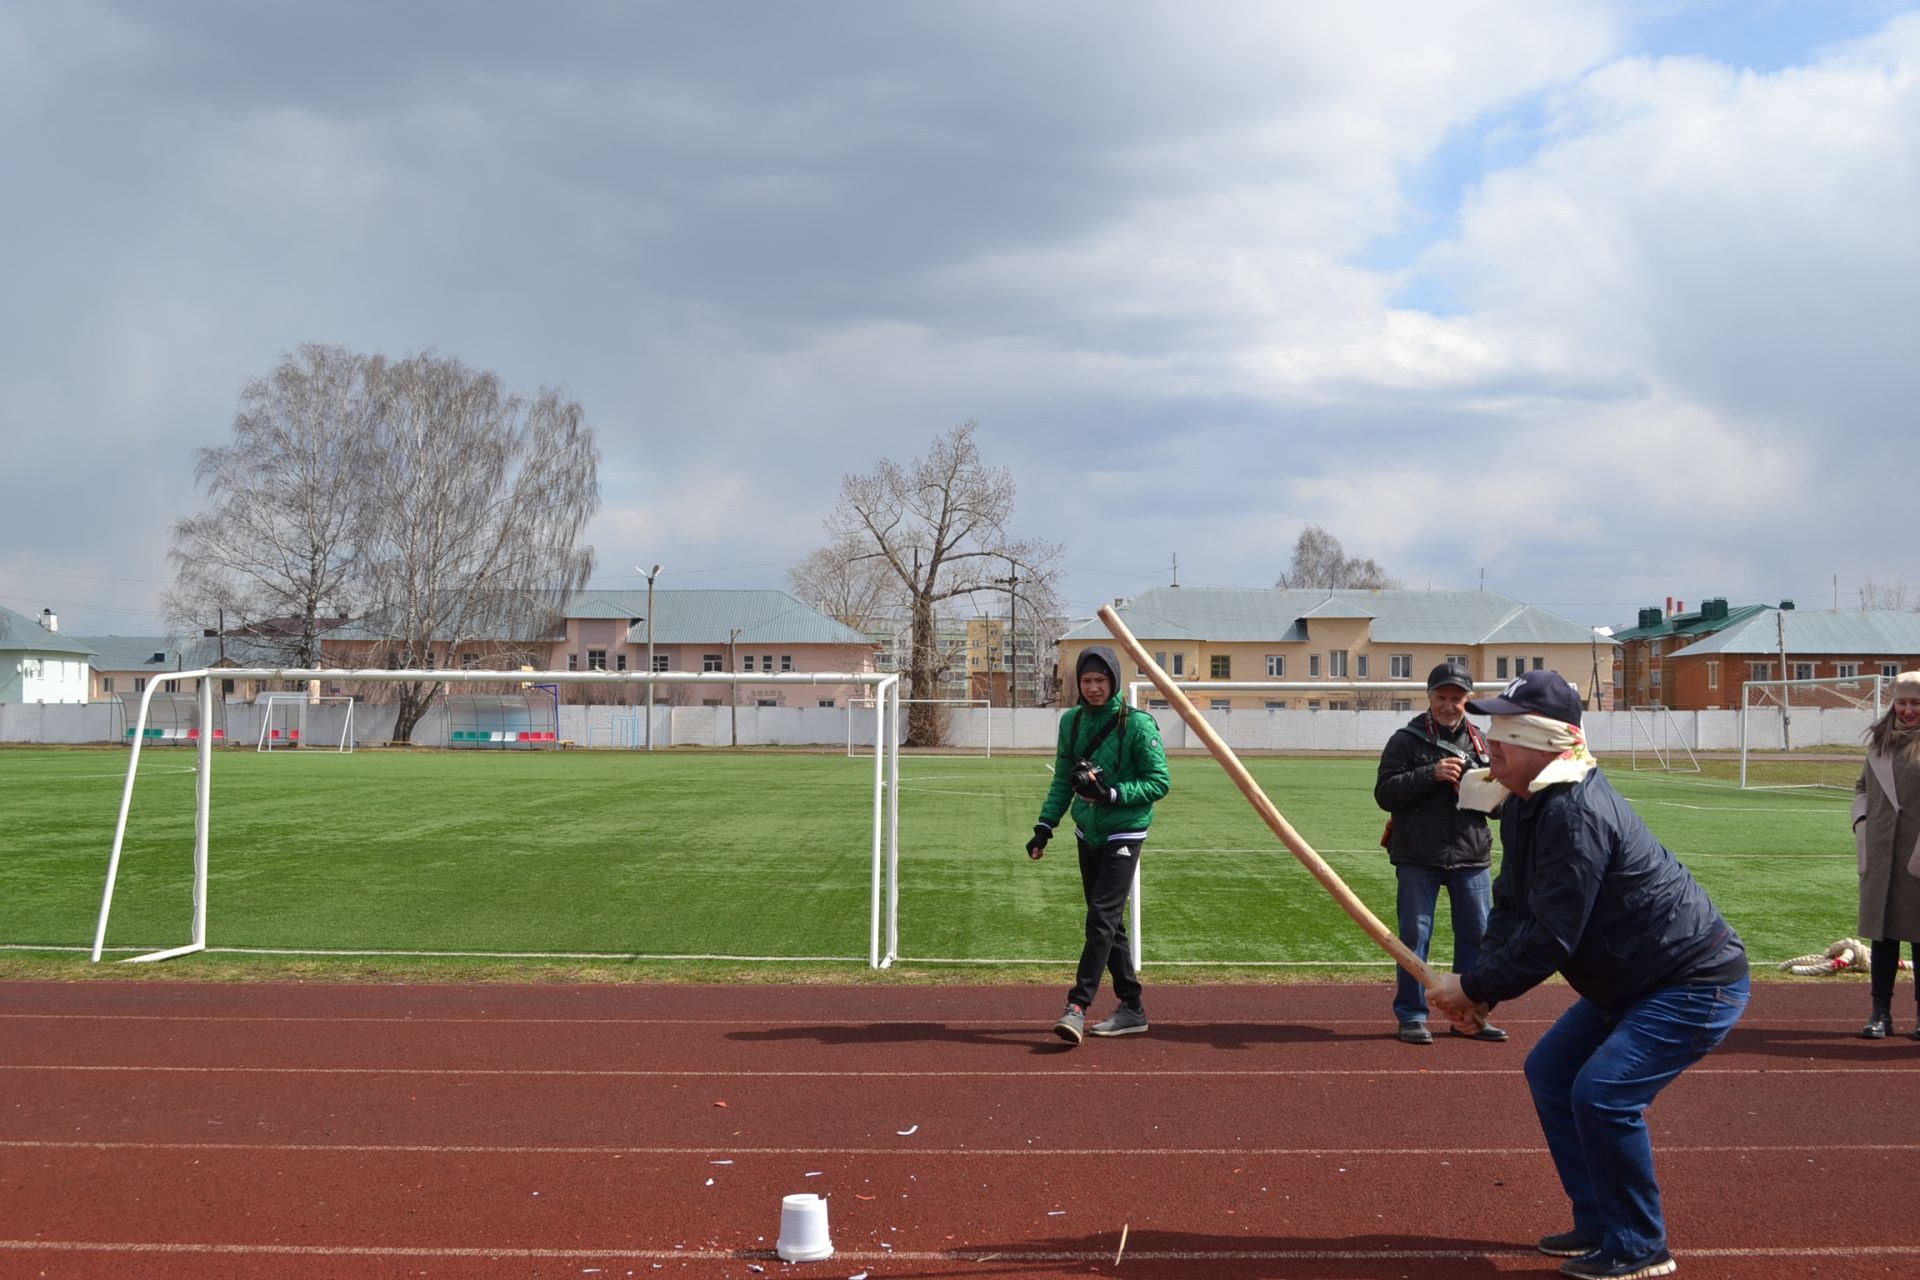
1543,733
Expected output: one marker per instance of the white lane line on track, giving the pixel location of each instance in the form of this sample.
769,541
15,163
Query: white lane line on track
1009,1256
747,1020
1072,1077
1667,1149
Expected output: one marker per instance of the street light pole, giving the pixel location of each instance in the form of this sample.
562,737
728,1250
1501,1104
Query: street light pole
651,575
733,690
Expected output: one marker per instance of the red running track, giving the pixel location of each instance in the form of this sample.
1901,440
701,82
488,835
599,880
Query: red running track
299,1131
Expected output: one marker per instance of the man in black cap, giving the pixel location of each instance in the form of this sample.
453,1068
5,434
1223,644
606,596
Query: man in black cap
1111,767
1433,842
1585,890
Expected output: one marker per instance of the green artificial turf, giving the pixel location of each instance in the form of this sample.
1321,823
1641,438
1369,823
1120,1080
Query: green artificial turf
769,855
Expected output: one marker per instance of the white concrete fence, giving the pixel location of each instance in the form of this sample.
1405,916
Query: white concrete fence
1611,733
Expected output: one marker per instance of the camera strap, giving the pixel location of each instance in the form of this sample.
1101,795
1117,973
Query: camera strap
1086,752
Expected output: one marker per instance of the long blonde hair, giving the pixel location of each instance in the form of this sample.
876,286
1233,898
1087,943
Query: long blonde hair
1885,737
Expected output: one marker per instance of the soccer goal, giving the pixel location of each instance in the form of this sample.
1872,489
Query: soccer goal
1806,733
882,889
1657,743
963,735
313,721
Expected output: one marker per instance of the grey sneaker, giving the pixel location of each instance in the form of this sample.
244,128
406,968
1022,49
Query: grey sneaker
1124,1022
1072,1025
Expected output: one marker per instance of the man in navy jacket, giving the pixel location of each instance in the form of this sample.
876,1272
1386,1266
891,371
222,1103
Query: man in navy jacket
1586,891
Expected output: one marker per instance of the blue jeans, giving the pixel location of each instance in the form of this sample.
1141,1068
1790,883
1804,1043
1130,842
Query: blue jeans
1593,1075
1469,897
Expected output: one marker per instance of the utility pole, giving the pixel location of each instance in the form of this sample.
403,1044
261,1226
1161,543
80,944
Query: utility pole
1786,690
651,575
1012,583
733,688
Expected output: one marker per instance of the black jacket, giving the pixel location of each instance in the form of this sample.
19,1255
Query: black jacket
1584,889
1428,830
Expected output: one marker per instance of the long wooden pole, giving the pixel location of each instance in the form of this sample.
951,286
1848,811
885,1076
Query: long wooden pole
1329,878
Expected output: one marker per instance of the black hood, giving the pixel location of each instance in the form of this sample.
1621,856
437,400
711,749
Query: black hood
1101,656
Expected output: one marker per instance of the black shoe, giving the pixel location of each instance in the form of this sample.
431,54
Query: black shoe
1415,1033
1599,1266
1879,1026
1487,1032
1570,1244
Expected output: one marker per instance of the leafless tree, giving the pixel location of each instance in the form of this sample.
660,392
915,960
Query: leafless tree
275,551
1320,561
849,586
475,500
939,525
1883,595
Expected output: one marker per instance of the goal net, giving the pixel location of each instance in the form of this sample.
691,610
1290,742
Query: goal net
1657,743
582,855
966,725
1806,733
313,721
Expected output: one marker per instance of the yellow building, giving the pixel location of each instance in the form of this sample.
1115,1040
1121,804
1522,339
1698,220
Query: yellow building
1336,642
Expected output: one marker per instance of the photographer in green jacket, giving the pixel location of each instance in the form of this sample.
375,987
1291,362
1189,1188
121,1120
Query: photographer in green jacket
1112,767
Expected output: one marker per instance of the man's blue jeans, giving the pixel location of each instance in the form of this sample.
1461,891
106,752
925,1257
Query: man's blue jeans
1593,1075
1469,897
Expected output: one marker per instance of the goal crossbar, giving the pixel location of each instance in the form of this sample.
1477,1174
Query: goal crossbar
883,945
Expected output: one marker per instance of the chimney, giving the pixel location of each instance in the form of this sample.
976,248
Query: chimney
1669,606
50,620
1679,606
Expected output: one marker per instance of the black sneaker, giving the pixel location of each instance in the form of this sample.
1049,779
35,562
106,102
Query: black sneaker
1878,1027
1570,1244
1415,1033
1072,1025
1600,1266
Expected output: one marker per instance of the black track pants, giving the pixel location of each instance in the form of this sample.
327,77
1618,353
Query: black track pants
1106,878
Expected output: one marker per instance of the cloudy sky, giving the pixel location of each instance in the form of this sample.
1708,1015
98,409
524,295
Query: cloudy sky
1595,303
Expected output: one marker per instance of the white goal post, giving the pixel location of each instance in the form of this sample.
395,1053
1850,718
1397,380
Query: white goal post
1777,716
860,748
294,734
884,897
1656,733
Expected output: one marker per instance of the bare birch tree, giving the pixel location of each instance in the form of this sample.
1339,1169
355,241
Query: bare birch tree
940,526
849,586
275,551
476,498
1320,561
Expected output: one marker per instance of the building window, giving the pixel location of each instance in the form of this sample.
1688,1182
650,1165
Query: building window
1338,705
1313,704
1179,667
786,662
469,661
824,702
573,662
1360,667
596,659
1160,661
170,686
766,702
1460,658
1313,670
1539,664
1220,666
1713,673
1220,704
766,662
1499,668
1656,677
1156,704
713,662
139,684
106,684
660,663
1846,670
1276,704
1337,664
620,661
1759,671
1403,704
1276,665
1803,671
1399,667
1889,669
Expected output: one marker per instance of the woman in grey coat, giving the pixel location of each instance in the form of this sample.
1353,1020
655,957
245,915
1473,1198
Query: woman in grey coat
1886,838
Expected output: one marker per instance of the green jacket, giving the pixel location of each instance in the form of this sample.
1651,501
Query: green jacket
1132,760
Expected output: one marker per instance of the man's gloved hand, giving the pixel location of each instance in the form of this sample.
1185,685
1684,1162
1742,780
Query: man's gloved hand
1088,784
1037,847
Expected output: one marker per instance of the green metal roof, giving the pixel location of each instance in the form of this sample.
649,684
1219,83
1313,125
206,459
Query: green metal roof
1285,615
1699,622
133,653
1873,633
20,633
688,616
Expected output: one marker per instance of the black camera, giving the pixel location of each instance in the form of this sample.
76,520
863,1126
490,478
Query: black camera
1087,778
